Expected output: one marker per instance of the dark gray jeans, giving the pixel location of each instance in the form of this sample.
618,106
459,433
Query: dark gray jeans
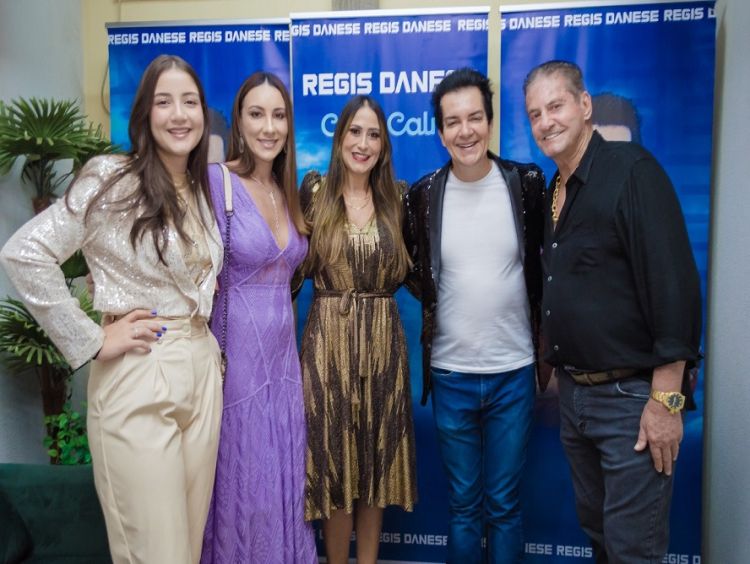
621,500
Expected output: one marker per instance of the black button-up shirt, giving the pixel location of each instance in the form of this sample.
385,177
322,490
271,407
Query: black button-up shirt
621,289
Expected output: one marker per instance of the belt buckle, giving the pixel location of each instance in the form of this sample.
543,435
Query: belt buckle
589,378
601,377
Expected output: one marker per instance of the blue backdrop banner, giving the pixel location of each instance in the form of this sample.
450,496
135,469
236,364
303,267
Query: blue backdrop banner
397,57
657,59
222,53
650,70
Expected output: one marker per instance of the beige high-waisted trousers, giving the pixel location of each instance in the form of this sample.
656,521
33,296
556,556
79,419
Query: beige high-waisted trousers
153,425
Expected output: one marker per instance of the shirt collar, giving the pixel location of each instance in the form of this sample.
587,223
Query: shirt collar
587,161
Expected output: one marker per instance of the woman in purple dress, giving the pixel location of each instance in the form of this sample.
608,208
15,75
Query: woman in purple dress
257,510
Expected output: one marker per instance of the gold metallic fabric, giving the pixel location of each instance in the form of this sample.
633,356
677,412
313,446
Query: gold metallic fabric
125,278
356,384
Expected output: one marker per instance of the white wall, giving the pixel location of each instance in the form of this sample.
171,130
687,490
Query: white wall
40,55
727,455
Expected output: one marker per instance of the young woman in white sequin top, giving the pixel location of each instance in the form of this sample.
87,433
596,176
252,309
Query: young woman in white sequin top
145,225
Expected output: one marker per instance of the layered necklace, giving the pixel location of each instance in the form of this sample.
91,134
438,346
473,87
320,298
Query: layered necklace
365,200
272,195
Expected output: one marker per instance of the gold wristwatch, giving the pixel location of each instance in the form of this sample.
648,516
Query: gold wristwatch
673,401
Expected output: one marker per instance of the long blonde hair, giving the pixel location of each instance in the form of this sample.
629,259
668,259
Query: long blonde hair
328,225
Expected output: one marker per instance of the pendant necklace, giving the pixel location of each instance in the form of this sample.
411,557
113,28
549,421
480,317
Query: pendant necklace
271,195
186,200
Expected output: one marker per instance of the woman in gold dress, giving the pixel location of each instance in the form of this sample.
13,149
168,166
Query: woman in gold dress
360,453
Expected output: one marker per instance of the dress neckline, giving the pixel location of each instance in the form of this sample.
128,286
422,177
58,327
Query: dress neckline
237,180
354,229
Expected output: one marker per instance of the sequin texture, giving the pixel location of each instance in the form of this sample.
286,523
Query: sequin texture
125,278
360,437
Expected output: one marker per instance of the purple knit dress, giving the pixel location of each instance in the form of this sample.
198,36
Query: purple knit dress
257,510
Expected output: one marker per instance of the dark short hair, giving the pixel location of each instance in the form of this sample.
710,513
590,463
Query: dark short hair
462,78
612,109
570,71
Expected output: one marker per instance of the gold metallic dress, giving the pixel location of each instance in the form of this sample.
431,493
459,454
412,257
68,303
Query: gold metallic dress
360,437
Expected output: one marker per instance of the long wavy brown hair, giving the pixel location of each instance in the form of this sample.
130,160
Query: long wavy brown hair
329,232
155,197
284,166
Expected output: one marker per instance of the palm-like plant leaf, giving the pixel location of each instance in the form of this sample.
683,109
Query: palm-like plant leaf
45,131
24,344
39,128
75,266
96,143
87,304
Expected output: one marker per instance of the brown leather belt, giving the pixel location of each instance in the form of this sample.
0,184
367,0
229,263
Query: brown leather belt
593,378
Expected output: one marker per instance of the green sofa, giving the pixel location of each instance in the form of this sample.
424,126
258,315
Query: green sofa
51,515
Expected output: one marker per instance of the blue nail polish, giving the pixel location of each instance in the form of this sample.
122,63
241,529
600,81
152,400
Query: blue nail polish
153,312
164,328
158,334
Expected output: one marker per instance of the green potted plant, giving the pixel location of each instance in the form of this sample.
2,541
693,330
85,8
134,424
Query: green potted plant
45,132
67,440
25,346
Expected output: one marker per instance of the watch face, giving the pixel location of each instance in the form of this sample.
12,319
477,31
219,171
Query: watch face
675,401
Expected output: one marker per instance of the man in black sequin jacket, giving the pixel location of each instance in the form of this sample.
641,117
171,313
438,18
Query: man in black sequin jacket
423,205
474,232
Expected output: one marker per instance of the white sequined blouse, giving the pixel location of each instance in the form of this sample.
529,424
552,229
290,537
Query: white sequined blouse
125,278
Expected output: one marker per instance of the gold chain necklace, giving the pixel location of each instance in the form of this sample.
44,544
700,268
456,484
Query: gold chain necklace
182,182
357,208
187,201
555,194
365,199
272,195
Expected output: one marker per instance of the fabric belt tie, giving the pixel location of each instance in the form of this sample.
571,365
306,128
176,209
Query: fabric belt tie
351,296
585,378
349,300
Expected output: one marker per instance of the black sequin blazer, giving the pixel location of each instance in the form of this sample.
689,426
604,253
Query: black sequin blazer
423,214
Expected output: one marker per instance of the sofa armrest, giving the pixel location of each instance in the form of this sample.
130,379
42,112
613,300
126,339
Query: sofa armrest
60,510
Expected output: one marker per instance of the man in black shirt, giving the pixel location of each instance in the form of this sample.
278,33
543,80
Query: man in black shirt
621,316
